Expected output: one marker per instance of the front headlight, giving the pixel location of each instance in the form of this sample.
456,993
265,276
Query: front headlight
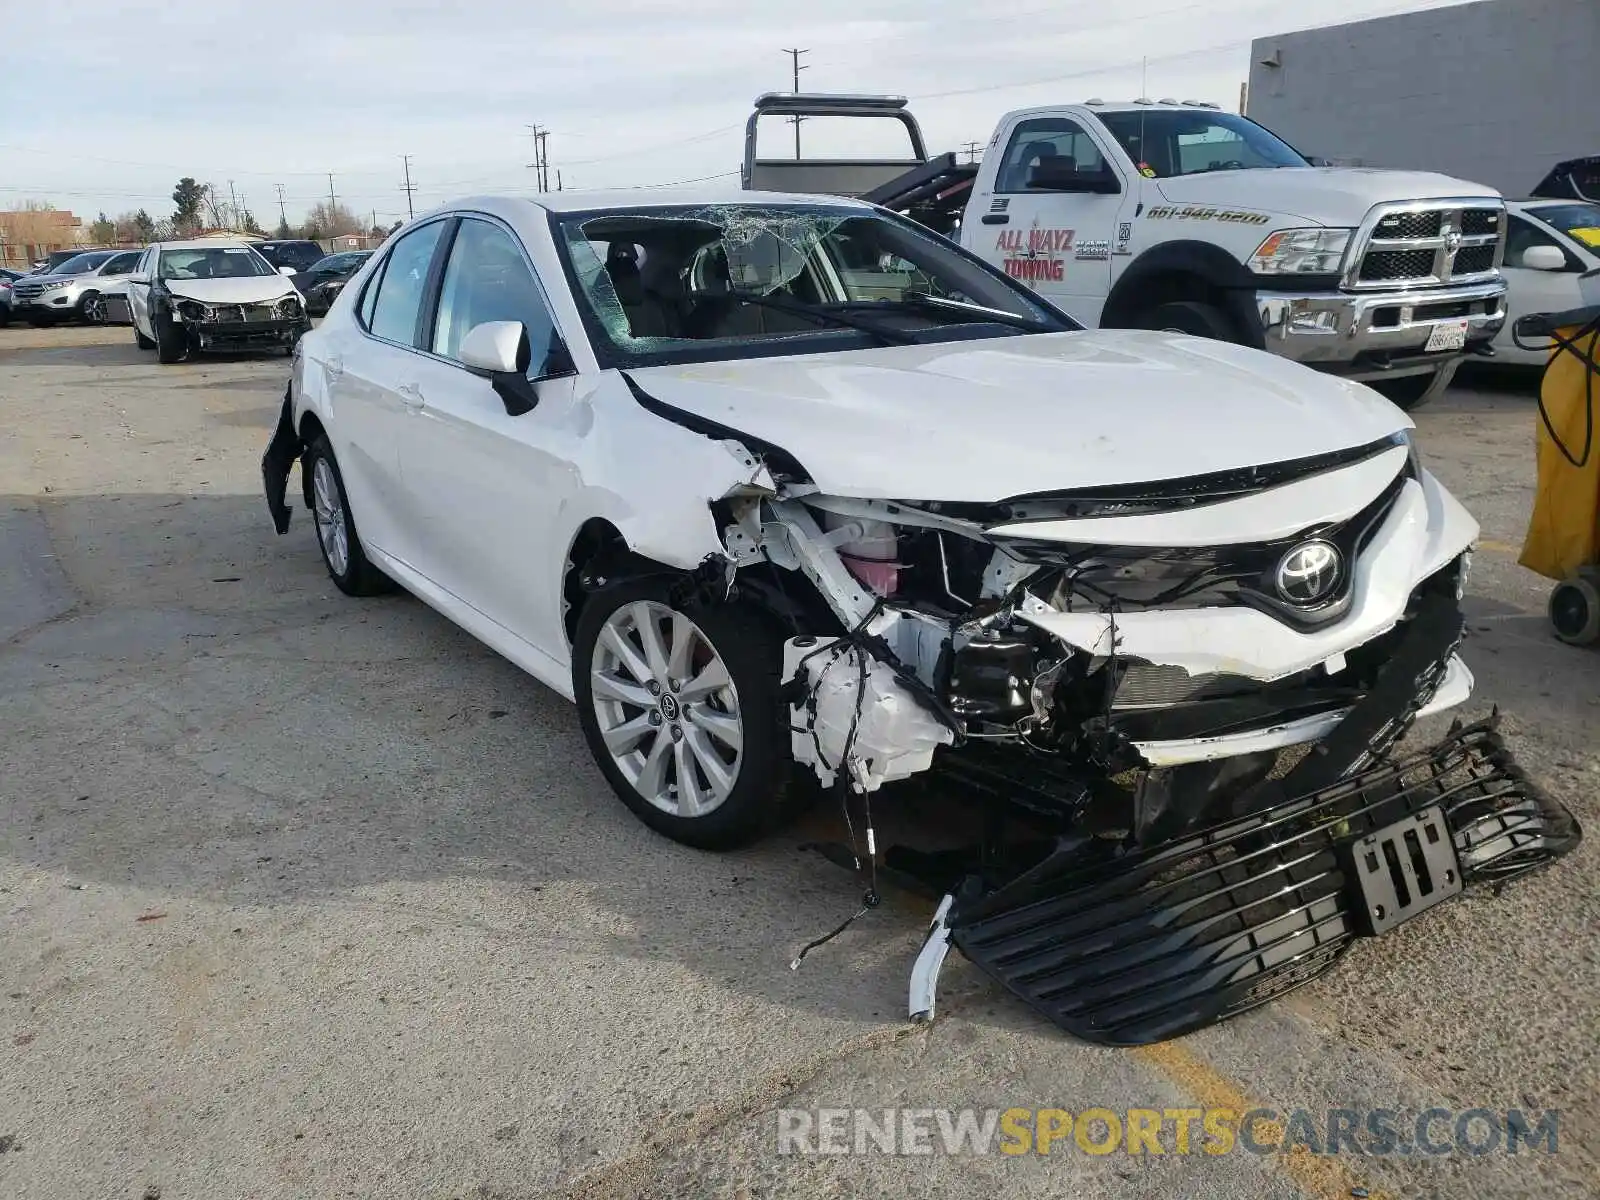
51,284
192,310
287,309
1301,252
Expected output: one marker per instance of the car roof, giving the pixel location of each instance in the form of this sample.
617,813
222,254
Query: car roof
624,199
205,244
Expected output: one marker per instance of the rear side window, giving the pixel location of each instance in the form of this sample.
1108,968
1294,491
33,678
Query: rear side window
399,293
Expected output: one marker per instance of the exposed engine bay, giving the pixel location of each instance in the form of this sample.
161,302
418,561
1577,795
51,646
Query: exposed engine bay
1211,837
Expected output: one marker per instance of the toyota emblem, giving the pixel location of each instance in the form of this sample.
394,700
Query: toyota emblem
1309,572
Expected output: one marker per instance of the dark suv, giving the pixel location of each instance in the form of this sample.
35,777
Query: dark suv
297,253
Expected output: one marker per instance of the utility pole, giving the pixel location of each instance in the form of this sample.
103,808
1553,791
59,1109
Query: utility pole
538,156
233,199
972,149
558,179
333,203
407,187
283,216
795,54
544,160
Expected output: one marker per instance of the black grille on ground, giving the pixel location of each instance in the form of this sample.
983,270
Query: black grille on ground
1480,221
1472,260
1410,225
1380,265
1124,947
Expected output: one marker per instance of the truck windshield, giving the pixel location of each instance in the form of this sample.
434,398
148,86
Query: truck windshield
1164,142
698,284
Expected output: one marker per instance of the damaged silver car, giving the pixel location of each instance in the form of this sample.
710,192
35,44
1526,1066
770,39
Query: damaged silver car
789,495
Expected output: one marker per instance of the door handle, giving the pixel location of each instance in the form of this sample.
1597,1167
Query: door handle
410,396
995,219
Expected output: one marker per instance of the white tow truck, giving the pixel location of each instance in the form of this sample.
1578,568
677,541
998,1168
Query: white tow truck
1177,215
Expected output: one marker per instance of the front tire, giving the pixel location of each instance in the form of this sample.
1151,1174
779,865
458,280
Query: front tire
1575,608
170,343
679,702
1191,317
342,552
91,309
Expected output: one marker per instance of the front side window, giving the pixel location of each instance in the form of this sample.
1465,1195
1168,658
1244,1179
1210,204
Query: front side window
79,264
1047,138
214,262
122,264
1164,142
488,279
1523,235
399,293
695,284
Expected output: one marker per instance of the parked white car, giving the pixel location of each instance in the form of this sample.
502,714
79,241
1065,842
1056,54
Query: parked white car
761,521
76,288
1550,246
210,294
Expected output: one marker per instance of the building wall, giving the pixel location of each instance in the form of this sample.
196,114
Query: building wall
1495,92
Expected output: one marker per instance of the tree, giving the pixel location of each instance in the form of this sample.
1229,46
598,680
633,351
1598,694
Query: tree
187,198
135,227
332,219
247,222
145,226
283,231
103,231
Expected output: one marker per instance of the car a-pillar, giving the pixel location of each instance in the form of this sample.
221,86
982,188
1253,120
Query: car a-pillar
1187,287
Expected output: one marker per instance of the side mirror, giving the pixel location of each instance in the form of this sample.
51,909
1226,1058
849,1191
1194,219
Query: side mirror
1054,175
500,351
286,271
1543,258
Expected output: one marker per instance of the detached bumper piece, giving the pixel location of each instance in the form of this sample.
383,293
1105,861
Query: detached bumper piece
277,461
1126,947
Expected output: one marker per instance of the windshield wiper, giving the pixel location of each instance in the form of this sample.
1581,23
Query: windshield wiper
886,335
927,300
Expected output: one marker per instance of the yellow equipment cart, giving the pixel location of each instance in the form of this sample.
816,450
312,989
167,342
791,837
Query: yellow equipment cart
1563,541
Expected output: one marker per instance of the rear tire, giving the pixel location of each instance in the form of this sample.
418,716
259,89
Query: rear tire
170,344
342,553
663,731
1191,317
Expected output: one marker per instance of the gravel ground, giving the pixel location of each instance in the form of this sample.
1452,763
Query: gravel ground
314,897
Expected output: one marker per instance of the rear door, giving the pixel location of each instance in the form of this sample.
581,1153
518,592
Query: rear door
371,366
1056,242
492,487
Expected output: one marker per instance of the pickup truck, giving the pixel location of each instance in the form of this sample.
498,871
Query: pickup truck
1179,216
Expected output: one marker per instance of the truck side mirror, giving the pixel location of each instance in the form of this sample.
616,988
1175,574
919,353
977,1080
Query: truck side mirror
1057,175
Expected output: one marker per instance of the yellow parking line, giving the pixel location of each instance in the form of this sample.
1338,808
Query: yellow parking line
1324,1178
1497,547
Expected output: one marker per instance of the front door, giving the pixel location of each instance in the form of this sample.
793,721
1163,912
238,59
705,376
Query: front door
139,291
1057,242
492,488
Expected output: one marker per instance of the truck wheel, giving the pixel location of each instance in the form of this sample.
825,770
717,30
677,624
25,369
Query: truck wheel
1411,392
1189,316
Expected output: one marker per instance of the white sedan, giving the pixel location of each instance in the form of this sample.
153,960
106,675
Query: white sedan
1550,246
764,522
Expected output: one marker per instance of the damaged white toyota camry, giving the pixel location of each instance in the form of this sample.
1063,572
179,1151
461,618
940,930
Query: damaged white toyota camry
787,490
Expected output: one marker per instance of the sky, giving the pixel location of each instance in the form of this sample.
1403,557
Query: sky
105,105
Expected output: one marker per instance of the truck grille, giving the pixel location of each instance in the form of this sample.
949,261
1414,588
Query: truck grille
1423,246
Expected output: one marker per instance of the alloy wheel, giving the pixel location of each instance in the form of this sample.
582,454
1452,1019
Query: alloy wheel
667,709
329,508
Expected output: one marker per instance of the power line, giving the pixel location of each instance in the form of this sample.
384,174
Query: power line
407,187
795,54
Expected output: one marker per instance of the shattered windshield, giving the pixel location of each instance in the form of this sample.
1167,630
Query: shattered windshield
696,284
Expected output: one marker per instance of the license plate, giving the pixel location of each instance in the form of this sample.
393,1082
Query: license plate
1405,868
1452,335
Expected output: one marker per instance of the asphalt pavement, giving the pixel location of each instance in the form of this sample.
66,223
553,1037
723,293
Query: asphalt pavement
307,896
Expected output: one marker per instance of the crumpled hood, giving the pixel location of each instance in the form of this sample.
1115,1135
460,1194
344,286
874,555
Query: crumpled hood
1336,196
254,289
980,421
